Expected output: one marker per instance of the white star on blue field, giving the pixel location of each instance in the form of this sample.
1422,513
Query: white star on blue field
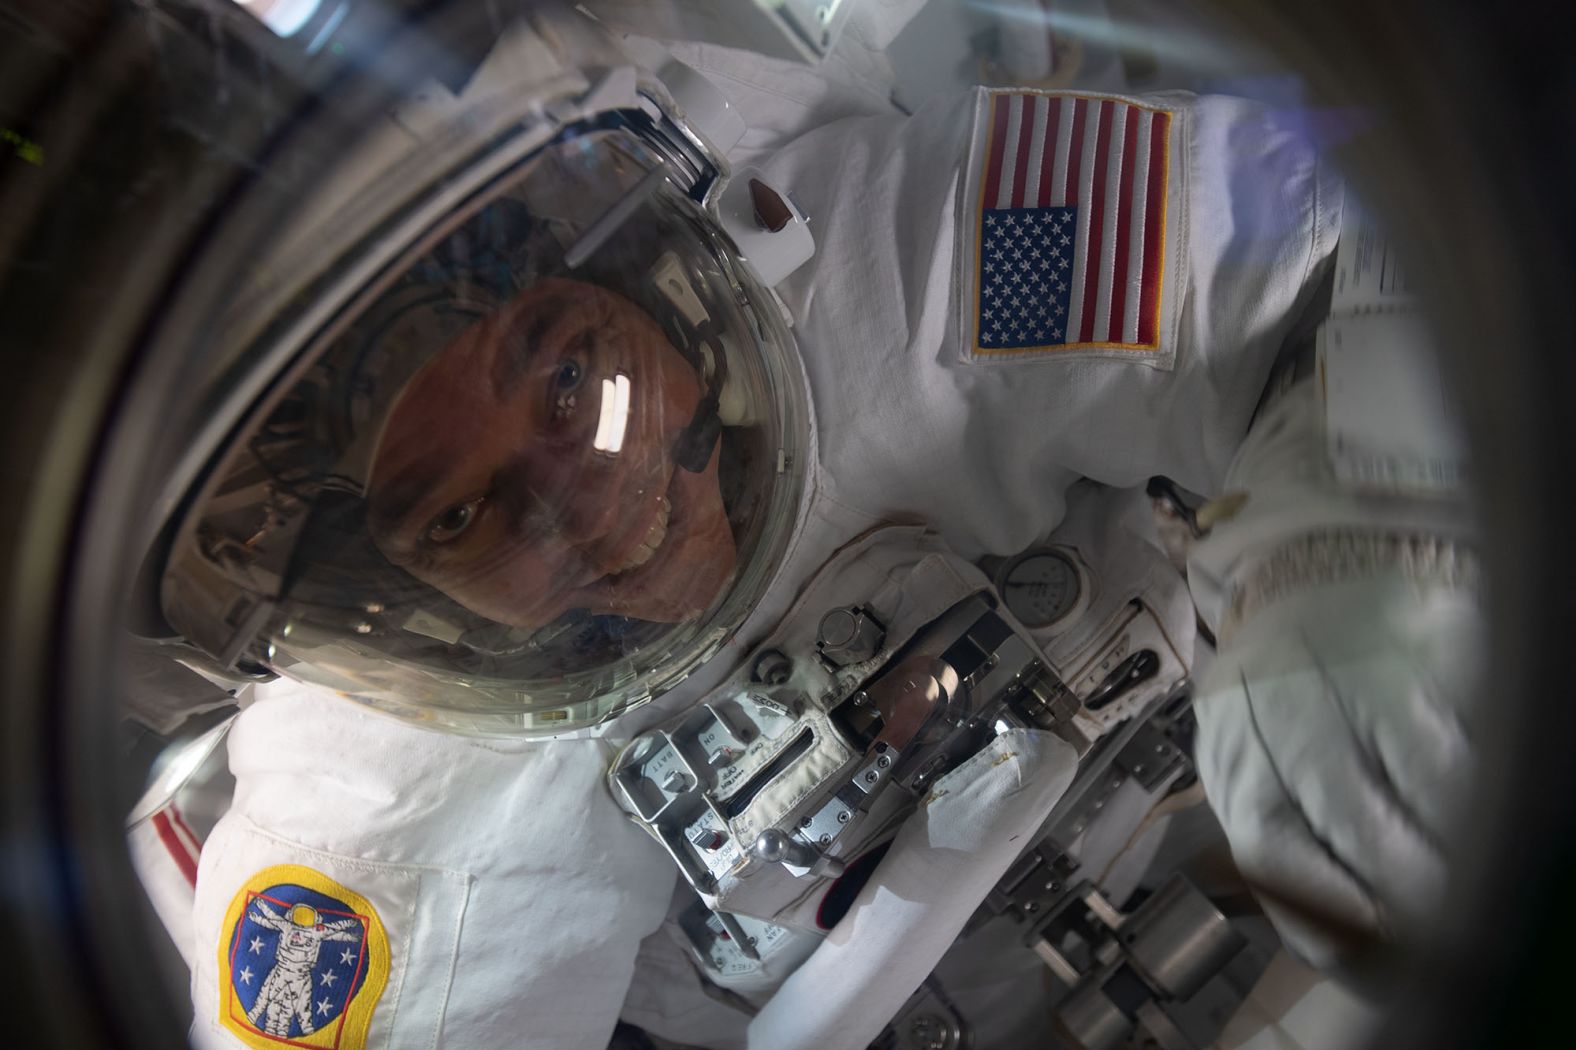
1026,257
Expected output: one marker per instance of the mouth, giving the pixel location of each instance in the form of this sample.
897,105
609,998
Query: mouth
677,566
651,542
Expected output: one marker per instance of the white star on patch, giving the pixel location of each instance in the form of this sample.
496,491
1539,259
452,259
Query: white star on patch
324,1006
245,975
1065,241
328,978
345,958
257,945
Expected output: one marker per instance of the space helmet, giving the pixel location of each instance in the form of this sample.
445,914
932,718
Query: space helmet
516,434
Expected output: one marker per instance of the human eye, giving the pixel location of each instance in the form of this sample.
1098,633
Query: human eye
565,381
569,375
452,522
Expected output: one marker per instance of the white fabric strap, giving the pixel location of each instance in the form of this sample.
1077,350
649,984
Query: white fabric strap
1339,555
967,832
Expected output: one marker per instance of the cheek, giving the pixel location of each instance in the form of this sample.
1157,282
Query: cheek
680,387
667,404
497,558
523,590
668,379
510,575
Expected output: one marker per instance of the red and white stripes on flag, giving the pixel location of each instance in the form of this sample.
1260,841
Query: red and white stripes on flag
1107,159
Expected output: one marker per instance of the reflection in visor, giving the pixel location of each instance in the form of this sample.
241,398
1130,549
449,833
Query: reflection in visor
614,419
284,17
504,498
496,482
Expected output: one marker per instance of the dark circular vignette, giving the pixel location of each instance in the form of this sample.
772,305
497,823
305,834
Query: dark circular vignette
154,119
1471,167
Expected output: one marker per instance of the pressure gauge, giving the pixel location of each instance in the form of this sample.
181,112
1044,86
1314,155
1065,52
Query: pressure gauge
1042,587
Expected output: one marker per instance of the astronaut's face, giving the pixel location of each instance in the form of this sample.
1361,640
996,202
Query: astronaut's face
527,469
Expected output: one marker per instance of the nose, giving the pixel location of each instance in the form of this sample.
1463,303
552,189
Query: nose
564,491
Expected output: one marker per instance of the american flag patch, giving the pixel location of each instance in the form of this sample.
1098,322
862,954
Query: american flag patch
1070,236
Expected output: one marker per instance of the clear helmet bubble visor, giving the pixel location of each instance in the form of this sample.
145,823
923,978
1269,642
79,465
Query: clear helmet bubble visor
533,474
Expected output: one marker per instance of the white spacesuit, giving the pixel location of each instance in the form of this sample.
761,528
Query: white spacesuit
507,897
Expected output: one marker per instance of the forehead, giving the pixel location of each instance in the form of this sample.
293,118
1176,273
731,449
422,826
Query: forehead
490,357
447,417
447,414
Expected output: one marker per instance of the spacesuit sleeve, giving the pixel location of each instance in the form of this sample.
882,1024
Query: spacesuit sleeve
380,885
1335,736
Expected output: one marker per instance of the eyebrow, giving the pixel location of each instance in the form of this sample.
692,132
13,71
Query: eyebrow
400,497
513,361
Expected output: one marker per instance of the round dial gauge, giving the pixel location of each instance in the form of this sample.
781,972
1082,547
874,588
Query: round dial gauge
1040,587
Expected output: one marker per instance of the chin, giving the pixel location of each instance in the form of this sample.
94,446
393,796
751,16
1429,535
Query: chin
680,583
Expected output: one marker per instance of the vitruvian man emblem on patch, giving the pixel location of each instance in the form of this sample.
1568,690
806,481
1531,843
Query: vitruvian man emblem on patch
304,962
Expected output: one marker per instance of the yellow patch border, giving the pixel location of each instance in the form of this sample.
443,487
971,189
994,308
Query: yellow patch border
350,1033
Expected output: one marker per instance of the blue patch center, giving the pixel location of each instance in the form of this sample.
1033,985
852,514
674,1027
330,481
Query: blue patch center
297,959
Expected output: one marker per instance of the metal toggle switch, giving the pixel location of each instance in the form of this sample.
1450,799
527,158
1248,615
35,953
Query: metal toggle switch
775,847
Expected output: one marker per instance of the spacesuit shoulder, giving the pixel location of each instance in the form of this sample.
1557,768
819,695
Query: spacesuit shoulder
1012,289
422,855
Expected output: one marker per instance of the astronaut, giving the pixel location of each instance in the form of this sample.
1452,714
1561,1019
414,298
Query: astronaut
552,479
286,993
462,469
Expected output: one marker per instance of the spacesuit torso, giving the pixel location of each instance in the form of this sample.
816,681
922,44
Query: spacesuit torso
508,893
